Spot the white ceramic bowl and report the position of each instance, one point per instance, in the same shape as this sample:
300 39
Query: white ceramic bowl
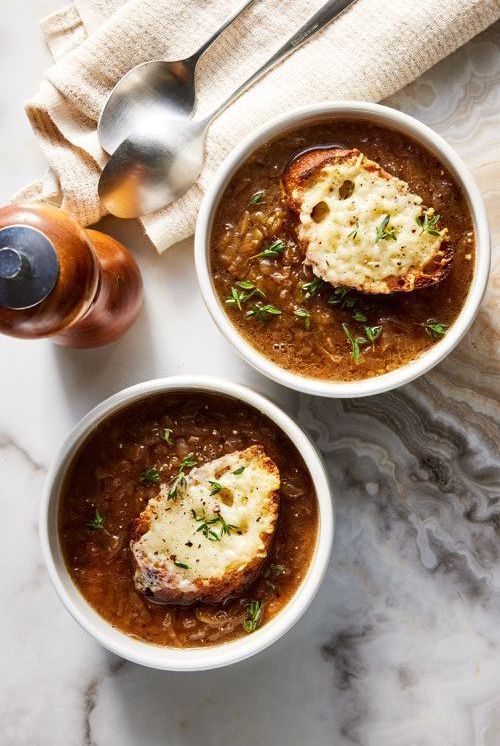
395 120
188 659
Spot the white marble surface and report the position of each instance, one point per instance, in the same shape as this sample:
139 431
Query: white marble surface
402 645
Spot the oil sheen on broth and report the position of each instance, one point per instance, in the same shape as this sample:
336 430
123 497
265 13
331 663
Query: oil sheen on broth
252 214
105 476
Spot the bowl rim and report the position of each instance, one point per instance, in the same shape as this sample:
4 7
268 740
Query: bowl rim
184 659
424 135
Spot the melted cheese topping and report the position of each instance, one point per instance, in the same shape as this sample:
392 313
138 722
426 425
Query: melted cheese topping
247 504
341 234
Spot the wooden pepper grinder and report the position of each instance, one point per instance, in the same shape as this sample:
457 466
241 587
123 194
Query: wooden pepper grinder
79 287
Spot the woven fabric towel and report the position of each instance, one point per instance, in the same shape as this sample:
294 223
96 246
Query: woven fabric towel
375 48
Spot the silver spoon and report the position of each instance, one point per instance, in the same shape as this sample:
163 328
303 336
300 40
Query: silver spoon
158 86
153 168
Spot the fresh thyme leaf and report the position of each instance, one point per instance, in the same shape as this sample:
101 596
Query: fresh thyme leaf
340 297
241 292
189 461
97 522
226 528
246 285
238 471
382 231
373 333
217 522
274 249
277 569
207 532
310 289
254 616
182 564
354 231
429 223
216 487
180 479
435 329
263 313
349 301
301 313
177 481
167 436
355 342
235 299
150 475
204 526
257 198
358 316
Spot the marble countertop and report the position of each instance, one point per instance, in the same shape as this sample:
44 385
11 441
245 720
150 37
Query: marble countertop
402 645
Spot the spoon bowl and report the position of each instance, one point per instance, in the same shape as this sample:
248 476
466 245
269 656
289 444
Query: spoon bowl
154 169
158 162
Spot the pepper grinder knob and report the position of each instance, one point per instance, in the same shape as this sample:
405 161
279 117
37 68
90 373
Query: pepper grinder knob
29 267
13 264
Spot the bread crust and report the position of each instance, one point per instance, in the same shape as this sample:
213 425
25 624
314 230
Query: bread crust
306 170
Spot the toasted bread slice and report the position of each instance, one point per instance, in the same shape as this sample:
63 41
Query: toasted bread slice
361 227
212 539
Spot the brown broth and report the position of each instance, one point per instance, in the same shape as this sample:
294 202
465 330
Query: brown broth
104 475
242 229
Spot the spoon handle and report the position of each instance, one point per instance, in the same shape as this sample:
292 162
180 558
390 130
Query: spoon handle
208 43
321 18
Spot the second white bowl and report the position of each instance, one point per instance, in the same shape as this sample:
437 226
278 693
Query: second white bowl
168 658
393 119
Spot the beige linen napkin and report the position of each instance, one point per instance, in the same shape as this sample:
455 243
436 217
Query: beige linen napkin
375 48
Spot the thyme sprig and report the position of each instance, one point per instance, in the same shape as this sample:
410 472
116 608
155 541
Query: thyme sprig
354 341
242 291
254 616
434 329
348 300
277 568
257 198
303 314
359 316
216 487
342 297
97 522
263 313
428 224
152 476
373 333
217 521
180 479
310 289
383 232
273 250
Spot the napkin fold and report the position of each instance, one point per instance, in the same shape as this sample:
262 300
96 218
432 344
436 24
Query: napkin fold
372 50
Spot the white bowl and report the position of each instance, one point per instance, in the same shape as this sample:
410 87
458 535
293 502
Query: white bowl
186 659
395 120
